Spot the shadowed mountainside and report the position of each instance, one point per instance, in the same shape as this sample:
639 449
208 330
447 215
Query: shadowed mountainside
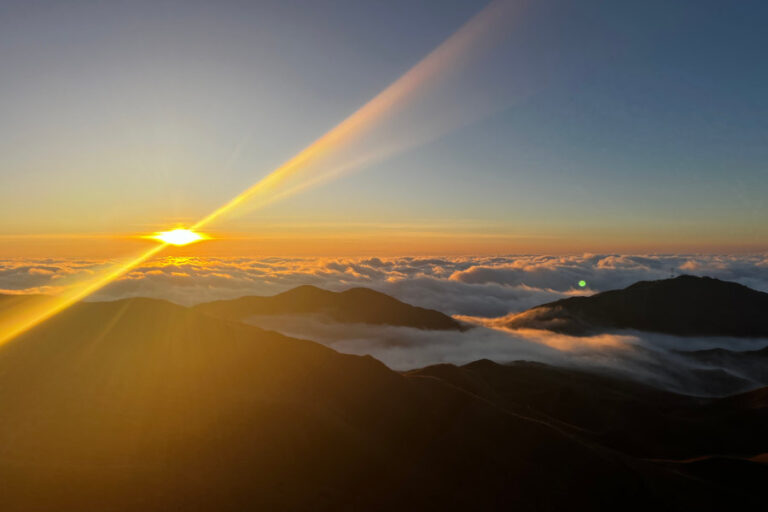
624 415
720 441
356 305
144 405
683 306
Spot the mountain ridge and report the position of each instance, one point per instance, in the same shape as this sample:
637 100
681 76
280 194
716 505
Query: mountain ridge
354 305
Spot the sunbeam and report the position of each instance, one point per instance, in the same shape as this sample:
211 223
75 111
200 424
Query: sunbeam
387 124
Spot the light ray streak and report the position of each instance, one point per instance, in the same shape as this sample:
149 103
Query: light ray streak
332 155
316 160
24 314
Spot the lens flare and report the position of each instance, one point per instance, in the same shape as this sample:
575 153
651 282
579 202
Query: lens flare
342 149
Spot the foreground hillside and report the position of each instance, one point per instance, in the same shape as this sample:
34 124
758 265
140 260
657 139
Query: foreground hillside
144 405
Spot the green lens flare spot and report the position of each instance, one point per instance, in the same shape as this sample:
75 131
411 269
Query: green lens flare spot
582 283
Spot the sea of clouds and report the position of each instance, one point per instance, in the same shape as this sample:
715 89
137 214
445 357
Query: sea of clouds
472 288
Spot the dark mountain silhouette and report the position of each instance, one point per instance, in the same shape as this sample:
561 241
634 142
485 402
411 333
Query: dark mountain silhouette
144 405
683 306
356 305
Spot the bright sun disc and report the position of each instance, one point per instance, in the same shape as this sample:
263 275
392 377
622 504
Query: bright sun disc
178 237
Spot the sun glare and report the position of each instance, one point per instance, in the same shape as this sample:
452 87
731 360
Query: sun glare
178 237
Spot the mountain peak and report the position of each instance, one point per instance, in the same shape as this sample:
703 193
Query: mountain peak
685 306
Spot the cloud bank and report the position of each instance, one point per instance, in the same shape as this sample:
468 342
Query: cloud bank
473 286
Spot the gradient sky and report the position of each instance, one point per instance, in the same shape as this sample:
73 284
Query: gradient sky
638 126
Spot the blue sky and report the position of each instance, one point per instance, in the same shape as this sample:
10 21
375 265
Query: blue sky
639 122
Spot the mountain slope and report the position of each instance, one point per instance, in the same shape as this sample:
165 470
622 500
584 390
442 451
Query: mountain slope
627 416
356 305
145 405
683 306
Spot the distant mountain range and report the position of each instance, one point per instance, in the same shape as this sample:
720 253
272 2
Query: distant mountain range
683 306
356 305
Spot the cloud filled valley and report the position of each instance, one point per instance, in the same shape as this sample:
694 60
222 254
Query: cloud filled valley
478 291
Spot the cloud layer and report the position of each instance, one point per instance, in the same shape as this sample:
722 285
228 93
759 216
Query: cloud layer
480 286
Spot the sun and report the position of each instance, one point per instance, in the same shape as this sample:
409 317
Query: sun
178 236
